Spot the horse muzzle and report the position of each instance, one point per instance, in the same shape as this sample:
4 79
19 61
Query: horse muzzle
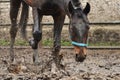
80 53
80 58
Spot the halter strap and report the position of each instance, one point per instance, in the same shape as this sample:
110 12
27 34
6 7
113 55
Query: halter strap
79 44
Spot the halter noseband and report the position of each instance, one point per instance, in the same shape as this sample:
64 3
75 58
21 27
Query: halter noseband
79 44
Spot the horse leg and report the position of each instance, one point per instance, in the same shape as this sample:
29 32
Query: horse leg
23 19
14 8
58 24
37 33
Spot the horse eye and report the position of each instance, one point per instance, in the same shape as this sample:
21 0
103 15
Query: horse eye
88 27
79 16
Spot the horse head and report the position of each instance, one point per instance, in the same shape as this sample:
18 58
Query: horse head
79 27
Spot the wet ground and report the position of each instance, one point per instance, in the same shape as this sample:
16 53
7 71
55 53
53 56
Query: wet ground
99 65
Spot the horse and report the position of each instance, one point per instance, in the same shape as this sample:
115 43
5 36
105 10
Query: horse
58 9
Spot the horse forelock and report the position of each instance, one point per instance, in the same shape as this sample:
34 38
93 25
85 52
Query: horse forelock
76 3
75 0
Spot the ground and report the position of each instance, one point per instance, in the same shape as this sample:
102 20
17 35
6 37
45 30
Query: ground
99 65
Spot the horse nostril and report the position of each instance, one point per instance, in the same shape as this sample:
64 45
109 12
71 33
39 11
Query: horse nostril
80 58
85 55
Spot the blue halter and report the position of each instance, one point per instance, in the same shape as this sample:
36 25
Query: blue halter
79 44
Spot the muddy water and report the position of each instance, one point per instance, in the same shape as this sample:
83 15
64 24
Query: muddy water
99 65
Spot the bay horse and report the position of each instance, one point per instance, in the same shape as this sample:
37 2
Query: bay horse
58 9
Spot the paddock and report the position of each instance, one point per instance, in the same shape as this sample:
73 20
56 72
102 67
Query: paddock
102 62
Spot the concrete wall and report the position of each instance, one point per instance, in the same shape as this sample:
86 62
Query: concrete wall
104 10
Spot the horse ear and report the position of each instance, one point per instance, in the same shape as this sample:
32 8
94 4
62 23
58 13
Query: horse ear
71 7
87 9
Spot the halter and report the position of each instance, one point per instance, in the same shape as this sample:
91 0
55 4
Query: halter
79 44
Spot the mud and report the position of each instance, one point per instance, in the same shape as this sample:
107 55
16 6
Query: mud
99 65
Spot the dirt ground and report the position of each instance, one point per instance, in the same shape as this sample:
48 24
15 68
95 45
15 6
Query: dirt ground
99 65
